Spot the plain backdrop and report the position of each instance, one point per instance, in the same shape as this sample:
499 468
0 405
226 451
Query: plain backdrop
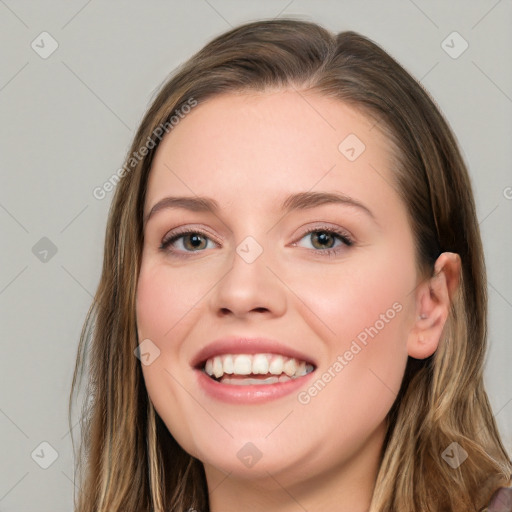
75 79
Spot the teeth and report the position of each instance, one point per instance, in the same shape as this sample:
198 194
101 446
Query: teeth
243 365
260 364
209 367
229 365
218 369
248 381
276 366
290 367
279 368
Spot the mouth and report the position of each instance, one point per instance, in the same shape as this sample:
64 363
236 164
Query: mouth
254 369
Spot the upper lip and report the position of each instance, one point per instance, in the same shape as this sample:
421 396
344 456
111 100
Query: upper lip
247 345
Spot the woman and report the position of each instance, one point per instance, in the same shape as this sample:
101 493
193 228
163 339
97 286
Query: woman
270 374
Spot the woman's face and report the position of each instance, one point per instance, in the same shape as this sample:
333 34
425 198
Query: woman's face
253 269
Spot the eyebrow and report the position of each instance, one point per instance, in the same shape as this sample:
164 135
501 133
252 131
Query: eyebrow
297 201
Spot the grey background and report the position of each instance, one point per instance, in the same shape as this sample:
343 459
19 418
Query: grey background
67 121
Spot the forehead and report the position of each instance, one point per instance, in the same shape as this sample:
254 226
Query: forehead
268 145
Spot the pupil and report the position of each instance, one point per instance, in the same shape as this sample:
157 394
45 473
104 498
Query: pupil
195 240
322 236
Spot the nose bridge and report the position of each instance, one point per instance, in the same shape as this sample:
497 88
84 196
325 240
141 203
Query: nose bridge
250 250
249 284
251 235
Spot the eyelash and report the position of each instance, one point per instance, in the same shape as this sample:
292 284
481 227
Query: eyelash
341 235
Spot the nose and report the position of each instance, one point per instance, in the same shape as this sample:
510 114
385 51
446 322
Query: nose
250 286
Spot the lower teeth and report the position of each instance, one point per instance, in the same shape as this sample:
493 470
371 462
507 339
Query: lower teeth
247 381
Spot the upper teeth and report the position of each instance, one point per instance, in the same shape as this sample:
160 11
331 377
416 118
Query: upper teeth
245 364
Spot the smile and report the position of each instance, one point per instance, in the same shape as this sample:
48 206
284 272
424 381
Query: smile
255 369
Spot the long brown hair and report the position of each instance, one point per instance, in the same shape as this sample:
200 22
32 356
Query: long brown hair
128 460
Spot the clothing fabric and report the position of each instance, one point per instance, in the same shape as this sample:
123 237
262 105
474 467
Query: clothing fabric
501 501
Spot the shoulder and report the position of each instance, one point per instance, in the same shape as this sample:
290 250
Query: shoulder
501 501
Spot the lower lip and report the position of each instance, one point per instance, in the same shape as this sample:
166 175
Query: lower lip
253 393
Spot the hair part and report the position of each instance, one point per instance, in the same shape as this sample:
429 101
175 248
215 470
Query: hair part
132 462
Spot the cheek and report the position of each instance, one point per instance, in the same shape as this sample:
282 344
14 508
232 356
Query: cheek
165 313
377 320
364 368
352 296
166 300
364 304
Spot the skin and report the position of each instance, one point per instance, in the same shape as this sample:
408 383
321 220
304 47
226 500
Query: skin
248 152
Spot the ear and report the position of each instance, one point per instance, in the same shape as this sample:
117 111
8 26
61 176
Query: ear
433 300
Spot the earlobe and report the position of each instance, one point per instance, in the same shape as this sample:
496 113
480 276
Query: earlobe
433 300
425 336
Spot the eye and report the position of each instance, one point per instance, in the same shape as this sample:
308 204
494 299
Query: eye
195 240
192 241
324 238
